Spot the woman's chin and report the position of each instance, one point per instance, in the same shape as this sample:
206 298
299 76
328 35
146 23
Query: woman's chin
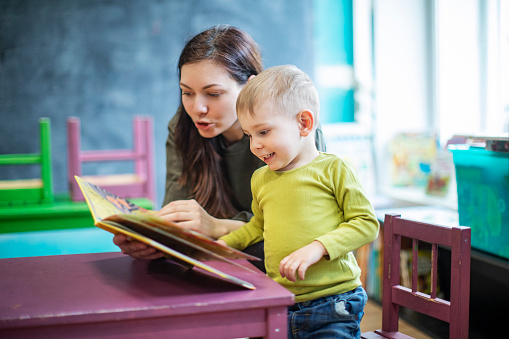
209 133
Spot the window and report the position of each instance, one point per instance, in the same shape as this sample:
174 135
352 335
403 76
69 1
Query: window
471 74
440 67
333 57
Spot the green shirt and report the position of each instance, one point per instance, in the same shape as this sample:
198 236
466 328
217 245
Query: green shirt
240 165
323 201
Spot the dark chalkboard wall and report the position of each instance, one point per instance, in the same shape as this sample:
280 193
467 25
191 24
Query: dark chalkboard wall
106 61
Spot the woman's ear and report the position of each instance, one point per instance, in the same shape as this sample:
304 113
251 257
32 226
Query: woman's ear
306 122
251 77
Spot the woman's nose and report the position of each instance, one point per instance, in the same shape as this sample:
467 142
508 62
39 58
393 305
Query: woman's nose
200 106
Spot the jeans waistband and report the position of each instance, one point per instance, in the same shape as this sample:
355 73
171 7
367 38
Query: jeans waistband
311 303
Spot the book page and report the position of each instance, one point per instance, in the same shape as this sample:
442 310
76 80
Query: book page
190 242
103 204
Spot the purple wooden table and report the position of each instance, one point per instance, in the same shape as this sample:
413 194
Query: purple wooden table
112 295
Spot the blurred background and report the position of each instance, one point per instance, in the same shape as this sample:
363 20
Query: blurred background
385 70
414 93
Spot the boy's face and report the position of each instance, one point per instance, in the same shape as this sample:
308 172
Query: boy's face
274 137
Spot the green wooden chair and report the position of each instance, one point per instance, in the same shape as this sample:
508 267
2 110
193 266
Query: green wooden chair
30 191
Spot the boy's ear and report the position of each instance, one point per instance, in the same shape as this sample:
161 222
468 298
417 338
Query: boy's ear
306 122
251 77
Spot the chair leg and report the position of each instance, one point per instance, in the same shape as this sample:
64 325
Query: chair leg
46 168
73 157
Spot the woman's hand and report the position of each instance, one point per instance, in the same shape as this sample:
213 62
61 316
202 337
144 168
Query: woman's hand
298 262
189 214
186 213
221 242
136 249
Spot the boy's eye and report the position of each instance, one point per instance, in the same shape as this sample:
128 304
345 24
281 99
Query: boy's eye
264 132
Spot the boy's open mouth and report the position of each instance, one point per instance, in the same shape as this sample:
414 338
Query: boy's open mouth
267 157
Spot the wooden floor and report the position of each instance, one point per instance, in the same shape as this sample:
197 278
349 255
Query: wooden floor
372 320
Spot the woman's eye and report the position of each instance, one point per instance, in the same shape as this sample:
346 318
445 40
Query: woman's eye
186 93
215 95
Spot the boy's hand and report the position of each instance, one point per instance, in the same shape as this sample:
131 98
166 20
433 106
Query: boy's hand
300 260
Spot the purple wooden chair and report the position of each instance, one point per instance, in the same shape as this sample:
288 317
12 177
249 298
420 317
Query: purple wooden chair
130 185
456 311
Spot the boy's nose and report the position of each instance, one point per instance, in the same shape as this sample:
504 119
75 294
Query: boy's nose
255 145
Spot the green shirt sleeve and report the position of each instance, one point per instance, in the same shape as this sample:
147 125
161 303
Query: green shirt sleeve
360 225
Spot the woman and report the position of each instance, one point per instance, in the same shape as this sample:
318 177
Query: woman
209 163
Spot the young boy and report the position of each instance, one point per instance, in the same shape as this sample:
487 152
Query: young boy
308 207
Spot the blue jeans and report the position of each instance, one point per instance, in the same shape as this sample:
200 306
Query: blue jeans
335 316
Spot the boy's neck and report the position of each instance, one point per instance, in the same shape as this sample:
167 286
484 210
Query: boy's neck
307 155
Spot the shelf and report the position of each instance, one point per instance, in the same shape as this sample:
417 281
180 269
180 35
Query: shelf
418 196
428 213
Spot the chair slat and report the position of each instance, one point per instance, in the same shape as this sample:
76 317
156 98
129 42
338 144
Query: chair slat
420 302
109 155
415 260
434 270
19 159
433 234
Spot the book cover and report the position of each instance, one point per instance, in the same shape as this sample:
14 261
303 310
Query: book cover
188 247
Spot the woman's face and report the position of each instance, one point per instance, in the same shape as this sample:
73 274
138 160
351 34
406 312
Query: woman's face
209 96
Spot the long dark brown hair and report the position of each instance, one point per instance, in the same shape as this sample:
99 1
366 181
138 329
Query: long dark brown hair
203 165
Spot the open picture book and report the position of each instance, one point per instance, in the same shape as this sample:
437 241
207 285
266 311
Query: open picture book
187 247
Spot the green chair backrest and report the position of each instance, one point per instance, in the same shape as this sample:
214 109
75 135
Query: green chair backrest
30 191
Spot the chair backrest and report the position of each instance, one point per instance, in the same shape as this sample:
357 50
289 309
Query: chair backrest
30 191
456 310
140 184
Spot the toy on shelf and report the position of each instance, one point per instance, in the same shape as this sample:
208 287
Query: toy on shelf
133 185
30 191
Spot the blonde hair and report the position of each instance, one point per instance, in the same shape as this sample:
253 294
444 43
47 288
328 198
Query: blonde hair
288 89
